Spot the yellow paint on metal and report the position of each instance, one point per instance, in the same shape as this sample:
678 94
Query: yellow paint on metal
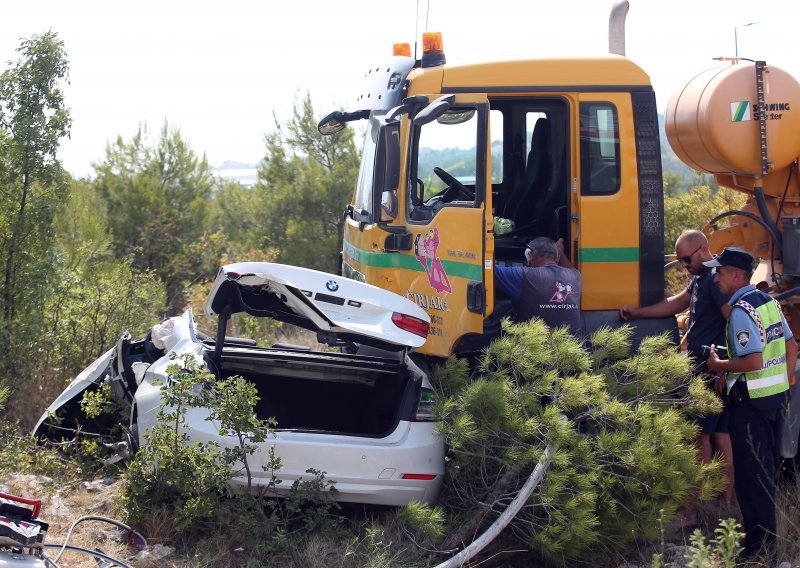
537 73
465 240
611 221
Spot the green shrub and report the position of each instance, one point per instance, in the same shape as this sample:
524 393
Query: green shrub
625 444
171 469
19 453
189 482
721 551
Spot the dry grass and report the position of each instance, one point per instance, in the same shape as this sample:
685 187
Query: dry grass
710 514
367 537
159 527
64 504
30 399
789 518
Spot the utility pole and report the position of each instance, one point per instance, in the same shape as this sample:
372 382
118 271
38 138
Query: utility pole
736 38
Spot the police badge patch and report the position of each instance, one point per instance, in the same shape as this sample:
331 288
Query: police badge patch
743 337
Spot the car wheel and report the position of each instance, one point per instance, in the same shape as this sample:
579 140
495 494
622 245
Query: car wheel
133 435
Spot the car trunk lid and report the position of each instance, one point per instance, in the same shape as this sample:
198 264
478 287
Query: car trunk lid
335 307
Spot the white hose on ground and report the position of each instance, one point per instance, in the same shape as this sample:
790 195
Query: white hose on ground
506 516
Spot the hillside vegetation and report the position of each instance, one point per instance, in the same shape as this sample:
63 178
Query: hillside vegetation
142 238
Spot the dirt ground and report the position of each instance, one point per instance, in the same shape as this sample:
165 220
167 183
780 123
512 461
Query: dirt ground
65 503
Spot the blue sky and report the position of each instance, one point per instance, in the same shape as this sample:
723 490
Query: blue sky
219 71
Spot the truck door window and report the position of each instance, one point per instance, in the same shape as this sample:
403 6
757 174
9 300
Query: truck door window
600 165
496 131
445 168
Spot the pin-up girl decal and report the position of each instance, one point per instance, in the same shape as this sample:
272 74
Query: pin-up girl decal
425 250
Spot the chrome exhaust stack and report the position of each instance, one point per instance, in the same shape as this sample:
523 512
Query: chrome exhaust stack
616 27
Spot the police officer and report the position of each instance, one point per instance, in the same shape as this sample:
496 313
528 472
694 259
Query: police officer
548 288
760 348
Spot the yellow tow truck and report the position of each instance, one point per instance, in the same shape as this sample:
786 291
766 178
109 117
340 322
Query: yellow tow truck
463 165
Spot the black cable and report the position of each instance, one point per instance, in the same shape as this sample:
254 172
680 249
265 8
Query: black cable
785 191
772 232
750 216
95 553
95 518
788 293
763 210
777 220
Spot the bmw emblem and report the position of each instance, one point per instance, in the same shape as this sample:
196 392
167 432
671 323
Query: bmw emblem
332 285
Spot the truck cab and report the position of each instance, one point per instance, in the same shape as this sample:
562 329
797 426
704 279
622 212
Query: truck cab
463 165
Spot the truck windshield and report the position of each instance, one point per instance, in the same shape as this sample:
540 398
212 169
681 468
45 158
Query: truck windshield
363 196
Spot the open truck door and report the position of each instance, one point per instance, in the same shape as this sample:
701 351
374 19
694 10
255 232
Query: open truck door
620 179
609 259
421 216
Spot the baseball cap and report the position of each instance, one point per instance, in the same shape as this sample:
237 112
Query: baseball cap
733 256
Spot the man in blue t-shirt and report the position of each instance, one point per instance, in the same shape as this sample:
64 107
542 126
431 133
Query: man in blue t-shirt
708 310
548 288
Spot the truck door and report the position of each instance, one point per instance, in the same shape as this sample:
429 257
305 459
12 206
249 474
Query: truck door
608 215
448 213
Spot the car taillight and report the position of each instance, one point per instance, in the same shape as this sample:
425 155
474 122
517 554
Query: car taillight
420 476
410 323
426 406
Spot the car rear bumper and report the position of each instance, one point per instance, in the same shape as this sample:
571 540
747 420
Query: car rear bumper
363 470
398 492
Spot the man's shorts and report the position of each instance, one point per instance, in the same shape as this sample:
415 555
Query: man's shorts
714 423
711 423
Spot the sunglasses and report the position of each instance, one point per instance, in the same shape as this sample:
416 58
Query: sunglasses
688 259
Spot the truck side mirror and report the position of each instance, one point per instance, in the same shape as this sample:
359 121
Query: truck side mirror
332 123
399 110
337 121
409 105
434 110
387 171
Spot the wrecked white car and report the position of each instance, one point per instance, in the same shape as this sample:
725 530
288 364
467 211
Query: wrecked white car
364 416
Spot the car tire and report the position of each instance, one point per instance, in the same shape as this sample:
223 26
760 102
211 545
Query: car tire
133 436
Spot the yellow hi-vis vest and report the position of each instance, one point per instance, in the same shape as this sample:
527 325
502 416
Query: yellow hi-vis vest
772 378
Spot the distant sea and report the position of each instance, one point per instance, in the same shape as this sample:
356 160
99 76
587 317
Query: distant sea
245 174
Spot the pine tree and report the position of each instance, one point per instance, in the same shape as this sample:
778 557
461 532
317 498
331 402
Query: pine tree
621 424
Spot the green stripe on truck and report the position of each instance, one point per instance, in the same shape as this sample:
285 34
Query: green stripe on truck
619 254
